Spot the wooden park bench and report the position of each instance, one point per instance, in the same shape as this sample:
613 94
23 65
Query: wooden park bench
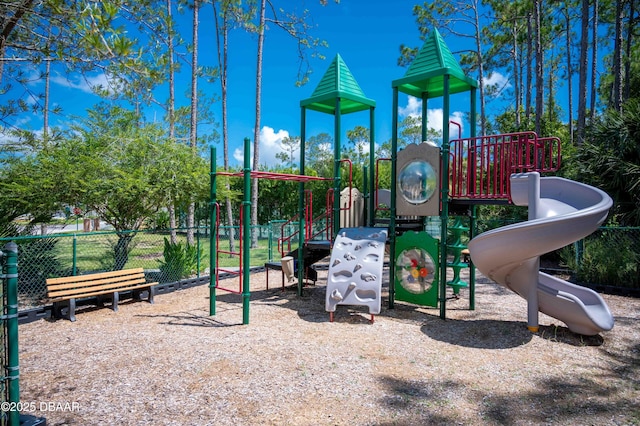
65 290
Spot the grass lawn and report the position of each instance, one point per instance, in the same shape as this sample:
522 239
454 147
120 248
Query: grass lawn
95 251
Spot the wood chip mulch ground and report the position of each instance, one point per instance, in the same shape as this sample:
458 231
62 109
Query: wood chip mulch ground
172 363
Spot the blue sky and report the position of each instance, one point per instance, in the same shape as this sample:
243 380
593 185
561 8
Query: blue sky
367 35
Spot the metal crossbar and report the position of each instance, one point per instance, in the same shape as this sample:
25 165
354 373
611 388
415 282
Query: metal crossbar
275 176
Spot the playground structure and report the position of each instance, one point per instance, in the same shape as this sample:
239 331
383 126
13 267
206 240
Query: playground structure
429 181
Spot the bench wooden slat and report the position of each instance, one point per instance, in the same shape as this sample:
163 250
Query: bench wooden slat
100 293
109 287
91 283
94 276
65 290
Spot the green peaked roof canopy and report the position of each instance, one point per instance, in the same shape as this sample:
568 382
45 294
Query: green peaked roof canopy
427 71
338 82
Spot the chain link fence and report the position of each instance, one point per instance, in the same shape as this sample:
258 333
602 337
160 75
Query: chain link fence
4 395
9 384
163 259
610 256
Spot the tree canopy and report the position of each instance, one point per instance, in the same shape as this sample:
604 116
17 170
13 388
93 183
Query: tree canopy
126 166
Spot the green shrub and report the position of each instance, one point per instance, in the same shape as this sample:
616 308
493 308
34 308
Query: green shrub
607 259
159 221
180 261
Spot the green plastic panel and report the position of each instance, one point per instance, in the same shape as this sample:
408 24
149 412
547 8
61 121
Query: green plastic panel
417 269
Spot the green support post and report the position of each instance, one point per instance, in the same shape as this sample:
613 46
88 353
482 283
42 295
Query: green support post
424 129
13 367
336 172
372 166
246 235
392 207
474 211
425 111
198 248
444 215
472 269
301 200
213 232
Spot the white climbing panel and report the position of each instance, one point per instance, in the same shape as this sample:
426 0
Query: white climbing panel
355 269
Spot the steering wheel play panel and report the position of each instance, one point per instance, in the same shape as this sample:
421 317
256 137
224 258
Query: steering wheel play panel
417 269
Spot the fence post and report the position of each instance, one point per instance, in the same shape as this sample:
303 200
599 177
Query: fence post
213 233
270 242
12 369
198 251
579 250
75 255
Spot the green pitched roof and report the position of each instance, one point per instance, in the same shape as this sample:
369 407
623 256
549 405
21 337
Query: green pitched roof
427 71
338 82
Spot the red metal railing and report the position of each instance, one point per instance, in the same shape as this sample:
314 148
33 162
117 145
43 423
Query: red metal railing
286 238
233 253
285 241
480 167
549 158
325 216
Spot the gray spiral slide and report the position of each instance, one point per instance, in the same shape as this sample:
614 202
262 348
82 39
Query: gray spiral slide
561 211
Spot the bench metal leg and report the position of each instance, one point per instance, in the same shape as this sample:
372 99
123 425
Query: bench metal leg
137 294
72 310
58 307
56 310
116 298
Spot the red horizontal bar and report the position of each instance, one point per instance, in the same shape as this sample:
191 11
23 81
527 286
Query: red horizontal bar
229 290
275 176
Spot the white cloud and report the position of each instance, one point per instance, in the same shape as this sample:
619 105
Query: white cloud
87 84
325 148
34 77
270 145
455 131
497 81
434 116
22 121
31 99
413 108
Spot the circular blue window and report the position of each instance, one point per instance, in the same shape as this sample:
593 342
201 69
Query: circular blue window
417 182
